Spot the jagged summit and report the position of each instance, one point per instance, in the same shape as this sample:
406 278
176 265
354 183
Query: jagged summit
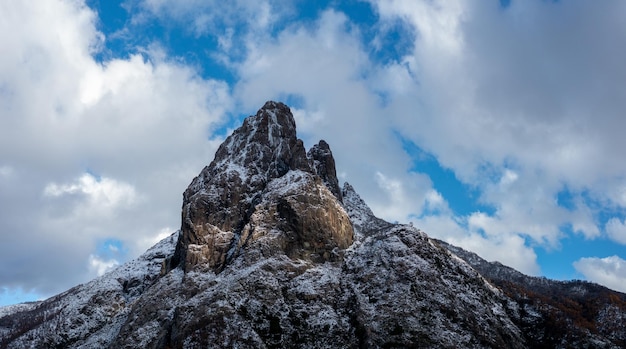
322 162
222 206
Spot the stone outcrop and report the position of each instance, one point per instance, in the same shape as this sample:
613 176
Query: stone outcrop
323 162
231 204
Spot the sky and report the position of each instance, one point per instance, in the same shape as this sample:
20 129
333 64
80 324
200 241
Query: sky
496 126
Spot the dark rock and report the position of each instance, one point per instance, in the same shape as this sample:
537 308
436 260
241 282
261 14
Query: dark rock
323 163
219 203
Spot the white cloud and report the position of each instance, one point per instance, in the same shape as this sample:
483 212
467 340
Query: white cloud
149 241
537 85
144 122
434 202
608 271
616 230
405 197
436 22
510 250
506 248
103 195
100 266
508 178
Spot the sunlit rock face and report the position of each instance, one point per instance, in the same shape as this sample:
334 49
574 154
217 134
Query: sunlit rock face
263 186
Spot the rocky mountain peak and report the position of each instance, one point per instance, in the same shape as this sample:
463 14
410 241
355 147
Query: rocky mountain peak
235 202
265 146
272 254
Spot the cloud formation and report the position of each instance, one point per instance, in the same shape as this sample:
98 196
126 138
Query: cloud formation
90 150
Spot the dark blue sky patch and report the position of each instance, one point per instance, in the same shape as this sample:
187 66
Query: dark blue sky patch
111 249
294 101
566 199
310 10
124 38
112 18
396 41
462 198
386 42
557 263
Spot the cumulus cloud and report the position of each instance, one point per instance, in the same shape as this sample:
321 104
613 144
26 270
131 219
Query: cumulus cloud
608 271
517 85
100 196
616 230
507 248
89 149
406 197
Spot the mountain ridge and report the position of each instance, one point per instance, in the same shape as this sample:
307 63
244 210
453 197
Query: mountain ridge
273 253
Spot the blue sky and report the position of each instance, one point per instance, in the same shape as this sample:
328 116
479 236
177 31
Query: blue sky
494 125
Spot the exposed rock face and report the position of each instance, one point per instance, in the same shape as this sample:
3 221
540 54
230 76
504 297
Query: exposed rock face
323 163
272 254
395 289
314 225
220 214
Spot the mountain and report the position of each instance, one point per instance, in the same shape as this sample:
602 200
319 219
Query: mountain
273 253
557 314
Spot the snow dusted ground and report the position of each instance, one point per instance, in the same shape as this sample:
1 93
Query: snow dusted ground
89 315
15 308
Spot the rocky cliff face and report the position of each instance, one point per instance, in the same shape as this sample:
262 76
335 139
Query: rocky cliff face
262 181
273 253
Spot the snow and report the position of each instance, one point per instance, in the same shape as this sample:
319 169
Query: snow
291 182
22 307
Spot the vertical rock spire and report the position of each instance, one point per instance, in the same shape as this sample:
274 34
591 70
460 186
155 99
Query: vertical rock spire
219 203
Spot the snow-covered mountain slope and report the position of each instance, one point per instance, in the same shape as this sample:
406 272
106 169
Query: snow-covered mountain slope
272 253
557 313
88 315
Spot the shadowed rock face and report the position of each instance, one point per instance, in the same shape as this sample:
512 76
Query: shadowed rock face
218 216
323 163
